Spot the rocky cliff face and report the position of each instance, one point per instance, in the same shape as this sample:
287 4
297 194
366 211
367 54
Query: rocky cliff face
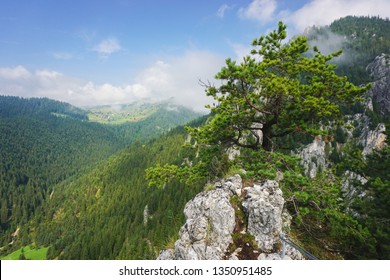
313 157
380 92
234 222
373 139
358 131
348 186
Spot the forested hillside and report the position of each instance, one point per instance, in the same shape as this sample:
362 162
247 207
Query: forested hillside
360 38
110 213
43 142
162 118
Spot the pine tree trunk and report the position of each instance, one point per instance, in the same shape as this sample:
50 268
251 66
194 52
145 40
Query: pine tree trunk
267 139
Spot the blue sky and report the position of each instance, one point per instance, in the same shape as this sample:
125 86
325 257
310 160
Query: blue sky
118 51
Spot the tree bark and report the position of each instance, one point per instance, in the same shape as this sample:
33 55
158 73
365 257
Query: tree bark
267 138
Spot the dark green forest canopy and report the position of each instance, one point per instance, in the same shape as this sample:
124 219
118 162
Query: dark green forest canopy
104 214
44 142
13 106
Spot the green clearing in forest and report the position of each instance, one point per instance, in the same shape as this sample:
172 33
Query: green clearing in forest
30 252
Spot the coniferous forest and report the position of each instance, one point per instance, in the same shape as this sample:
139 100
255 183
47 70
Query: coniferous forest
45 143
83 189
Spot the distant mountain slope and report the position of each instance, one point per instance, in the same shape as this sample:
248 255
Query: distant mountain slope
137 111
109 213
12 106
140 121
43 142
361 39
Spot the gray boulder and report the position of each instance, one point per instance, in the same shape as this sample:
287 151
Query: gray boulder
264 206
211 223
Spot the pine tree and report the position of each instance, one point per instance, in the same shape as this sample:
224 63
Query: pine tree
275 91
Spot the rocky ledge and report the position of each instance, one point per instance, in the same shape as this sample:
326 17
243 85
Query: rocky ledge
234 222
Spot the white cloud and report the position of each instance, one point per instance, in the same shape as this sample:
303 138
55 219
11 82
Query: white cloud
240 50
157 76
178 78
107 47
14 73
62 55
324 12
175 77
90 94
222 10
47 74
259 10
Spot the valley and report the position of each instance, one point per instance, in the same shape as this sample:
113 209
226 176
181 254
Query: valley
44 143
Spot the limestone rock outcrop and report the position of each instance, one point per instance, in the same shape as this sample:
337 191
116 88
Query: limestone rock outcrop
349 186
373 139
264 206
380 91
212 223
313 157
